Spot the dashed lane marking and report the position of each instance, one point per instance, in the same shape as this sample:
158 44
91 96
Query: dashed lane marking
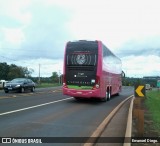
31 107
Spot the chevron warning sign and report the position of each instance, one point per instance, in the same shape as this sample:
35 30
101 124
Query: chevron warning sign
140 91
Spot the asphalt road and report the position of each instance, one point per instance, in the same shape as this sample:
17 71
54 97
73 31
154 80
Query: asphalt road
48 113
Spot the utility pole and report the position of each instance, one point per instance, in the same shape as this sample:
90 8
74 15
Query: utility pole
39 74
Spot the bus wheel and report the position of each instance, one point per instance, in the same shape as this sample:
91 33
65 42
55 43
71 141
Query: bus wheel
105 98
77 98
108 95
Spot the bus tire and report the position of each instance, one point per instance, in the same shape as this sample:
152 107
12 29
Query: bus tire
117 94
108 95
77 98
105 98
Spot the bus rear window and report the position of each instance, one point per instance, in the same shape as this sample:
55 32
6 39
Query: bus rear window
82 53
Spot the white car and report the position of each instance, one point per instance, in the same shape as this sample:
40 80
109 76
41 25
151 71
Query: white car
2 83
19 84
148 87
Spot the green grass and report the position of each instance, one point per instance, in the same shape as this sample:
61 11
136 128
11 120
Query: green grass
46 85
153 104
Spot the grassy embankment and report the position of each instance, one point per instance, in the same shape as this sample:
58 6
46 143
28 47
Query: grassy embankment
45 85
153 104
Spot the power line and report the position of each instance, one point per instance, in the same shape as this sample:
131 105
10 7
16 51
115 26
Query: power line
26 62
8 58
14 60
36 55
25 50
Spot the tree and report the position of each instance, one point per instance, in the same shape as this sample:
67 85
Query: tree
4 69
27 72
19 72
9 72
54 77
15 72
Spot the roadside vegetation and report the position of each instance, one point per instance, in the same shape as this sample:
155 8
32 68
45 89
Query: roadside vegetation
130 81
10 72
46 85
153 105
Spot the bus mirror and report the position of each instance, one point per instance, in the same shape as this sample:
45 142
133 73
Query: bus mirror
123 74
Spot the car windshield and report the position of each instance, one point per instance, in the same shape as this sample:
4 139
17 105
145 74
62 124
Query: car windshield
17 80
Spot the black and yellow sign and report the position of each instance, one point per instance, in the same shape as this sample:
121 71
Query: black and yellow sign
140 91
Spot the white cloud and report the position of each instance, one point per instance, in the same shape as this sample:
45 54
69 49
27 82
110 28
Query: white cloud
16 9
115 22
139 66
43 66
13 36
34 29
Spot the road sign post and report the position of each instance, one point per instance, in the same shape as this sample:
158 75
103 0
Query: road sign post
138 112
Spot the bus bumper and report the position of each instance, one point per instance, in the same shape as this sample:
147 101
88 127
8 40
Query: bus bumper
82 93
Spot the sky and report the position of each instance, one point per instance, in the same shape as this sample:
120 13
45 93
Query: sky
33 33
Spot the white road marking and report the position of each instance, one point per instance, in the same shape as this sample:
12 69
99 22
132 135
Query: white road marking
34 106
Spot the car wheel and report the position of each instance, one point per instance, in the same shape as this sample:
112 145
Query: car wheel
22 90
33 89
105 98
6 91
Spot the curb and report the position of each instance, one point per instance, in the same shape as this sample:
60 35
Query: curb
129 124
102 126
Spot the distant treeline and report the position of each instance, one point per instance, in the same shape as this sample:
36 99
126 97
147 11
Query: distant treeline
55 78
133 81
9 72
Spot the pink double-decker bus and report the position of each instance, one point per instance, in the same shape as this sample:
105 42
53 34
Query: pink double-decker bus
91 70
